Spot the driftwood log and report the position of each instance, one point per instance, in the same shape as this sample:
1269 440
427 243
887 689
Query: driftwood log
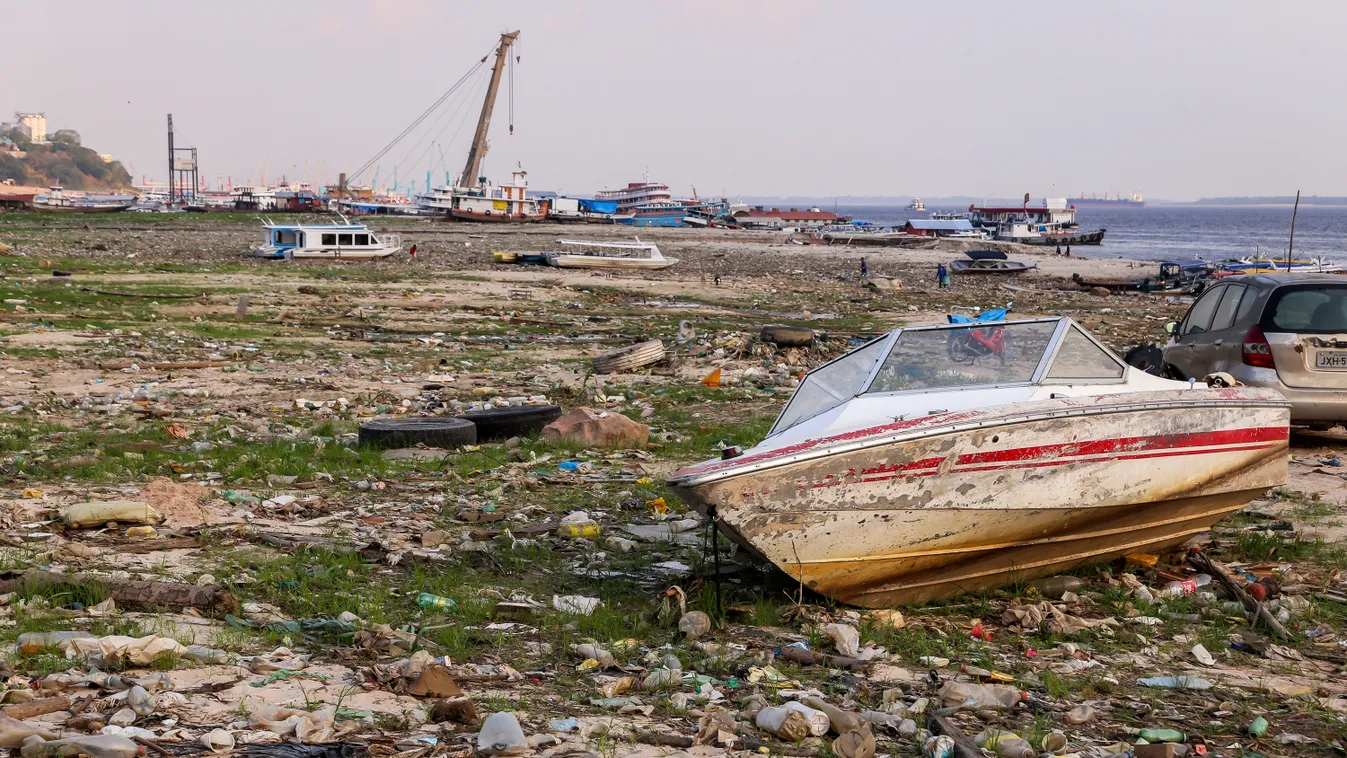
131 594
39 707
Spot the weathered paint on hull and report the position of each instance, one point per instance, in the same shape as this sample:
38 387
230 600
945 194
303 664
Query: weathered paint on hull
964 510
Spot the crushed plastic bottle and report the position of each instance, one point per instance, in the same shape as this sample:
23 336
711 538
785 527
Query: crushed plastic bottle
14 732
1162 735
97 746
1081 714
938 746
436 602
959 696
501 734
32 643
841 721
140 701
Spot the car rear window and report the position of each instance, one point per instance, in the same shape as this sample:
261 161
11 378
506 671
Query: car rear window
1313 309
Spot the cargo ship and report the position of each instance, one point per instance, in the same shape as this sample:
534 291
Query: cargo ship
1133 200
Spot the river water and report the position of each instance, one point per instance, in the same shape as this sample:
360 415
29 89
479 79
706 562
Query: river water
1186 232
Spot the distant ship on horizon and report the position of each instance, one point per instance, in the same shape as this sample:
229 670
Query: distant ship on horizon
1133 200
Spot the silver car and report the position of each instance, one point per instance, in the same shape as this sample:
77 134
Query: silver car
1283 331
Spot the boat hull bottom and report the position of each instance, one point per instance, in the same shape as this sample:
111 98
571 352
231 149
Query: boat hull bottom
1047 541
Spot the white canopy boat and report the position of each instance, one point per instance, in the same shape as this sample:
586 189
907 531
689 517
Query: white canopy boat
349 240
938 460
615 255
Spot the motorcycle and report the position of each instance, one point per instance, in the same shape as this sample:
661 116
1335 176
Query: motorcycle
967 345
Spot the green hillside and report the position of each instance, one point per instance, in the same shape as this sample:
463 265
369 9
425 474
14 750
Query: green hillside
65 162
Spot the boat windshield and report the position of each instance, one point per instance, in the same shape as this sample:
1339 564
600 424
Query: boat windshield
832 384
965 356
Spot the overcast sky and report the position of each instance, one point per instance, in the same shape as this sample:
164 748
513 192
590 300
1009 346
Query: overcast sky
763 97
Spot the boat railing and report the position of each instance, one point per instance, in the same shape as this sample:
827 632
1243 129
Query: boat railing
389 240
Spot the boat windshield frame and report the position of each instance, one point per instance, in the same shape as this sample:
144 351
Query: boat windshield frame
1055 341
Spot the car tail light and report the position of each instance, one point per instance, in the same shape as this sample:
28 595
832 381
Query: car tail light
1256 350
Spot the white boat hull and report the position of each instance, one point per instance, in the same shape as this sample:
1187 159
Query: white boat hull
917 510
599 261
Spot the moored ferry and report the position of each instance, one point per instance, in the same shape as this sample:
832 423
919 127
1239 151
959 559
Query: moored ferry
507 203
651 204
57 200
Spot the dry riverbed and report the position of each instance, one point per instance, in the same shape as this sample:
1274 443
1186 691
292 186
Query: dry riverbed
135 375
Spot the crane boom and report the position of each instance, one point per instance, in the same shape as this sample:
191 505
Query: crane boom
478 150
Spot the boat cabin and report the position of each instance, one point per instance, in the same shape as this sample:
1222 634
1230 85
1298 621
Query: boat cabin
345 240
917 371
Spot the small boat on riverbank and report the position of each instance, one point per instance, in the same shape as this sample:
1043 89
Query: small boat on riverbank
989 262
347 241
881 239
610 255
907 470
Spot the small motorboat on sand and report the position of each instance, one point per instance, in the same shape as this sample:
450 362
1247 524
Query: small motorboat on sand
943 459
989 262
614 255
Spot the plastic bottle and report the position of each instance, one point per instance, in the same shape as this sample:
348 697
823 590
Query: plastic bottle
207 654
31 643
979 697
819 723
435 602
1056 586
14 732
789 725
1187 587
1162 735
1259 727
97 746
140 701
842 721
502 735
940 746
1081 714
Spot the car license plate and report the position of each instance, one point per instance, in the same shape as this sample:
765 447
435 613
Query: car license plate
1331 360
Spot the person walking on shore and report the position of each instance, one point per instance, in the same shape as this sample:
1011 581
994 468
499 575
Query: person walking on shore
942 276
865 270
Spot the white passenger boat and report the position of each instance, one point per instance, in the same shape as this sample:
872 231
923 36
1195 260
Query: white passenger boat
939 460
615 255
58 200
349 240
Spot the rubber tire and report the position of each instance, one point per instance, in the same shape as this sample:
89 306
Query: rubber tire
504 423
409 432
1147 357
787 336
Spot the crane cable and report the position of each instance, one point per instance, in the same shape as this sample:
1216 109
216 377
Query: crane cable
420 118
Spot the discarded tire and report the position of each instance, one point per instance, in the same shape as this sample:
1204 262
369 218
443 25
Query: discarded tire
629 358
787 336
1148 357
514 421
409 432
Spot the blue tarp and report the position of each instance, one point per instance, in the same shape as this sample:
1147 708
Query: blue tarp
935 225
598 206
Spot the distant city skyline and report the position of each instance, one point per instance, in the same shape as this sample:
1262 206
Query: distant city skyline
753 98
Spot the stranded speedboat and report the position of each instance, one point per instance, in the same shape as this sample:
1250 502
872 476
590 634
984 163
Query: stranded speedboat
938 460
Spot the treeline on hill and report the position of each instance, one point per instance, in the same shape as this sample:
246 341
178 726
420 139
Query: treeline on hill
64 162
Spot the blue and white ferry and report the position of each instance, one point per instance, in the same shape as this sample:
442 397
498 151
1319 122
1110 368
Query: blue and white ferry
349 240
650 203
